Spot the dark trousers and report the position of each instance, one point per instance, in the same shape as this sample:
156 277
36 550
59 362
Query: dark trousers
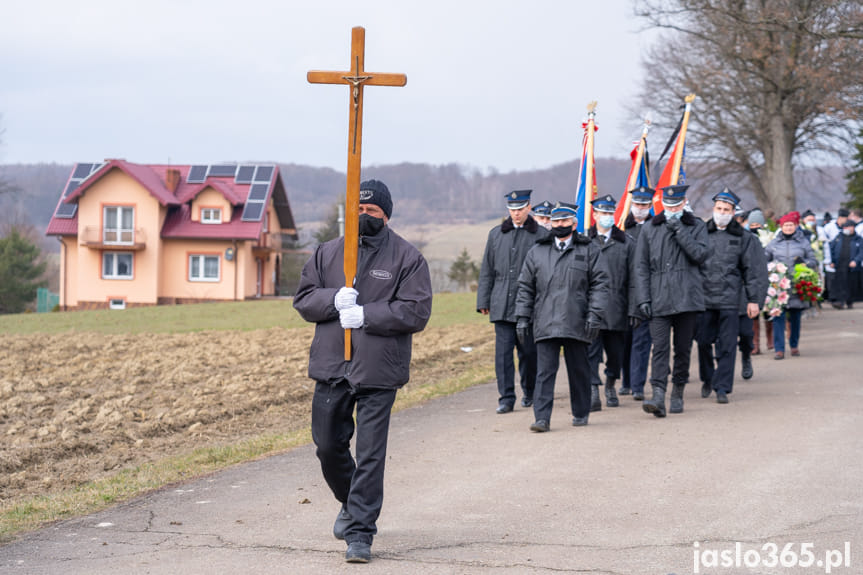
843 290
640 356
793 316
612 342
359 484
504 365
746 333
718 331
683 325
625 380
577 371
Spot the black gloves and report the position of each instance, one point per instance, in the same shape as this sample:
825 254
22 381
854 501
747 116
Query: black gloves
798 260
645 310
591 328
522 330
673 224
634 322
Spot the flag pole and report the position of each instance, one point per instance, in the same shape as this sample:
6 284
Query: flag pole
633 174
678 151
589 183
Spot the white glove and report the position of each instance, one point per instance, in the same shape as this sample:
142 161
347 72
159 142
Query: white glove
352 317
345 297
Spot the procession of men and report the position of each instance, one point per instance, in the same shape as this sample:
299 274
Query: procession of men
630 298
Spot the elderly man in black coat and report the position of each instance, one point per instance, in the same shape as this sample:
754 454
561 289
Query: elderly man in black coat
670 291
505 249
391 299
563 291
617 251
730 267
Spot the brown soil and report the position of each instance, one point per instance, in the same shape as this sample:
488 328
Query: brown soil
78 407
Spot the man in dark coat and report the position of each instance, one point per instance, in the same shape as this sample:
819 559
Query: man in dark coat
563 292
670 291
505 249
638 341
847 252
617 251
391 299
728 269
747 332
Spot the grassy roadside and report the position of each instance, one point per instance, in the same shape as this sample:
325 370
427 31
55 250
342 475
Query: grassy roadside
35 512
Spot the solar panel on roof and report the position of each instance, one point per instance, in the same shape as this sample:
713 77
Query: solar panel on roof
253 211
258 192
222 170
245 174
197 174
71 187
66 211
264 174
82 171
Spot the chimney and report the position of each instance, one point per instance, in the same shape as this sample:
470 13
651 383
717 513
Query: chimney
172 179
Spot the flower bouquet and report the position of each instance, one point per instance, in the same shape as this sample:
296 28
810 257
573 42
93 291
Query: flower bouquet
807 284
777 293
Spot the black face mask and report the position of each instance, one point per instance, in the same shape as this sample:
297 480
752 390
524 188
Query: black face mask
561 232
370 225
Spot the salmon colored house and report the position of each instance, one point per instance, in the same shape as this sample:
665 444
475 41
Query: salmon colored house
135 235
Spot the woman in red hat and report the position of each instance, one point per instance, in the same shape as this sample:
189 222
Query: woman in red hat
790 247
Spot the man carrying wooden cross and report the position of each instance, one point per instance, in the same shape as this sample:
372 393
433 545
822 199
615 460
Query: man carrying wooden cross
391 299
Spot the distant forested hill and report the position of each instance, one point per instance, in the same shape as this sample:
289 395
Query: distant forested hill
424 193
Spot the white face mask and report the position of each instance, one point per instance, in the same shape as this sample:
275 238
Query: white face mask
640 213
605 221
722 220
848 231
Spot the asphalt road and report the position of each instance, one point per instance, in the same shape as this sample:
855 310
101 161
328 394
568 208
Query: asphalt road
774 477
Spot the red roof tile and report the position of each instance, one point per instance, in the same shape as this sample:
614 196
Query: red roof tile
144 175
179 224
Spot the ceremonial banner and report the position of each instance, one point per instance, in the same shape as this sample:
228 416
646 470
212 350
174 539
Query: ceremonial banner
638 176
674 172
586 190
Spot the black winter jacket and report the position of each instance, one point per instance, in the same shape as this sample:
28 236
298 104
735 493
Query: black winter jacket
618 254
668 265
730 267
560 290
395 291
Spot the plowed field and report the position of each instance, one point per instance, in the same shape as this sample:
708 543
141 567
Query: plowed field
78 406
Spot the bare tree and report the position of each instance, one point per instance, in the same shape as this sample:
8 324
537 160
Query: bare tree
779 84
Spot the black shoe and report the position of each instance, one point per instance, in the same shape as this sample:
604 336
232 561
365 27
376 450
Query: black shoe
656 404
504 408
358 552
676 403
721 397
343 519
595 402
579 421
540 426
610 394
638 395
526 402
706 389
746 365
625 391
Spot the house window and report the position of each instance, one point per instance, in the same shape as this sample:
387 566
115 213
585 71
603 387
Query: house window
211 215
119 225
117 265
204 268
117 304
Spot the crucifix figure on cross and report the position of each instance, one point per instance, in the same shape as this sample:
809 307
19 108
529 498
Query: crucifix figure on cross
357 78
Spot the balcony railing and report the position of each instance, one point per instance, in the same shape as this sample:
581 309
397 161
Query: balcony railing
98 237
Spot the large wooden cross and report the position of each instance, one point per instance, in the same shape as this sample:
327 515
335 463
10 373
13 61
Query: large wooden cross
356 78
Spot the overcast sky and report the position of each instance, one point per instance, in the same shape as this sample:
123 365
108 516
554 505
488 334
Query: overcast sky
501 84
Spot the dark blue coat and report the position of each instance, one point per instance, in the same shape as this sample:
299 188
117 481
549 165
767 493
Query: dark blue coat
856 250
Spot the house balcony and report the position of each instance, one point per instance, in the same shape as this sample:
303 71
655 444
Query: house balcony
100 238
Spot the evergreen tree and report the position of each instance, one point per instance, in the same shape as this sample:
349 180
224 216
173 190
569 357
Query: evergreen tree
20 270
855 180
463 270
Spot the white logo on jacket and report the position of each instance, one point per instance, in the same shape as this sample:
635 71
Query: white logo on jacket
381 274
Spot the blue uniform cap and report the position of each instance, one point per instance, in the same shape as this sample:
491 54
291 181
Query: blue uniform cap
543 209
642 194
604 204
727 195
563 210
674 195
517 199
